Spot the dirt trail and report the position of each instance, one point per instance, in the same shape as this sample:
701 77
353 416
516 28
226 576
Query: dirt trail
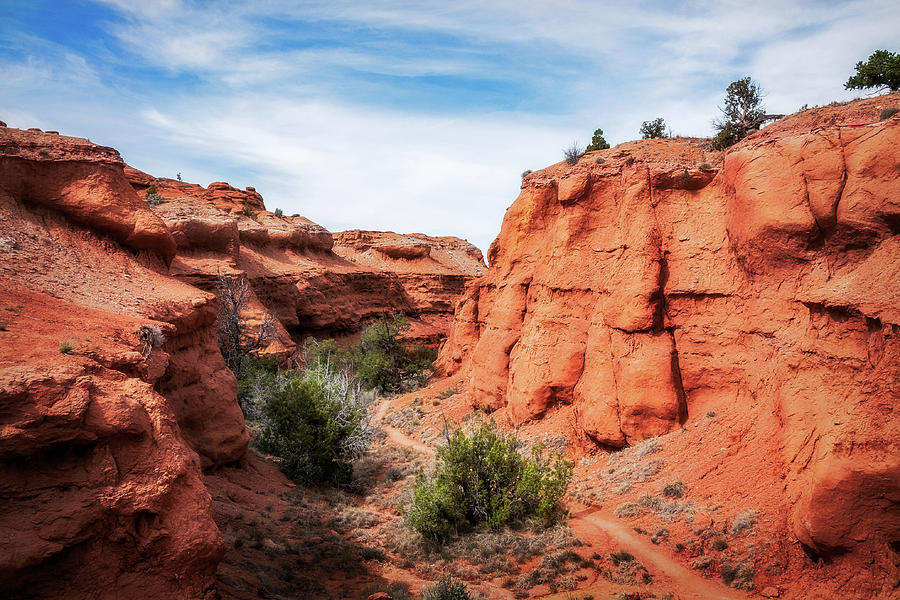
592 526
396 435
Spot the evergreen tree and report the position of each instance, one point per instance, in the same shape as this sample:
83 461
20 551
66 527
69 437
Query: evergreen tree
882 70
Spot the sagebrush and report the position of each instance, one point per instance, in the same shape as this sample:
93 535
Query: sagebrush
480 479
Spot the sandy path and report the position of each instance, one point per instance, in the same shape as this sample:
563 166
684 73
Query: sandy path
396 435
591 526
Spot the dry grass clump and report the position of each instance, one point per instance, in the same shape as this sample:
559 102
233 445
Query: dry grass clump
674 489
409 419
628 510
557 569
739 575
626 570
623 487
627 464
357 518
745 520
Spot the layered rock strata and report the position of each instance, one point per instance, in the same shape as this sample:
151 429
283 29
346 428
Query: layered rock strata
312 281
657 278
104 428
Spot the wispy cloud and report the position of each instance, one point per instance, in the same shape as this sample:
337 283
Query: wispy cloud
406 115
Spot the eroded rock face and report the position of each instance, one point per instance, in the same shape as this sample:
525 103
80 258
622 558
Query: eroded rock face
638 290
102 438
310 280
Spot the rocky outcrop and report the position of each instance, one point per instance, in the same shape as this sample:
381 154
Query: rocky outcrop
657 278
431 271
312 281
103 434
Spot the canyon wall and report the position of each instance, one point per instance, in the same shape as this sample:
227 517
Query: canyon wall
100 463
114 396
658 278
312 281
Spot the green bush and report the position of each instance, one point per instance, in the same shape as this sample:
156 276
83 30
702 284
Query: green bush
654 129
328 354
882 70
480 479
257 371
446 588
382 360
316 422
598 142
279 214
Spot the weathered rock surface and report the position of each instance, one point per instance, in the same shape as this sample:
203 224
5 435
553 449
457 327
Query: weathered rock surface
312 281
638 291
101 448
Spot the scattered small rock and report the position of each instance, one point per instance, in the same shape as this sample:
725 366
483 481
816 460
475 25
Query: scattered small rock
769 592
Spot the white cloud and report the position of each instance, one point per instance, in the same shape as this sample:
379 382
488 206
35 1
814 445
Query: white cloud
348 167
268 107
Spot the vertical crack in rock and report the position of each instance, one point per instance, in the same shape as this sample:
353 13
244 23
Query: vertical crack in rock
677 382
840 194
612 362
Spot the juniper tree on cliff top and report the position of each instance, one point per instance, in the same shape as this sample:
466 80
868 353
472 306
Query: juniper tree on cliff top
882 70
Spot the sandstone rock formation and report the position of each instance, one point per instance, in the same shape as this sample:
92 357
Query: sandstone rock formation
431 272
312 281
113 393
103 435
657 278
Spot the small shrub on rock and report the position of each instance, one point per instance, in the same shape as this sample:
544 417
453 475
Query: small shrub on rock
152 197
573 153
598 142
480 479
654 129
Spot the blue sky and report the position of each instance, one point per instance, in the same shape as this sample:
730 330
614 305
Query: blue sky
401 115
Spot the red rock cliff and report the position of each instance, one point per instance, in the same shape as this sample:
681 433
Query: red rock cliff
101 436
656 279
313 282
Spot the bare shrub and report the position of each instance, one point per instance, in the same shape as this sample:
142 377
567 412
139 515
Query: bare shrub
151 337
573 153
651 502
236 342
674 489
